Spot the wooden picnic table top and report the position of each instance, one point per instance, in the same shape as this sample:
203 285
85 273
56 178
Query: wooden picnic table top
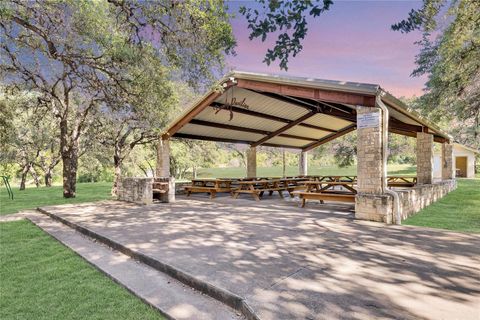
211 180
330 182
258 181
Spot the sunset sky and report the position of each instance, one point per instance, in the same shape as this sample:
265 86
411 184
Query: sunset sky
352 41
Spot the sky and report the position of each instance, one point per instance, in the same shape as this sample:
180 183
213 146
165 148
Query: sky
350 42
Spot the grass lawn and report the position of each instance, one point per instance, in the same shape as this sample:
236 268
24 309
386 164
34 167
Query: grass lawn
457 211
32 197
42 279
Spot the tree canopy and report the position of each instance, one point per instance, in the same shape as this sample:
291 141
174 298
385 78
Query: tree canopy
450 57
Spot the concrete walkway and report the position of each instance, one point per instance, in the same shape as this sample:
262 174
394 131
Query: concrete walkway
172 298
293 263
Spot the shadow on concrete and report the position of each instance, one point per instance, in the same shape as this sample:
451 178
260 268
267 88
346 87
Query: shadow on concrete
294 263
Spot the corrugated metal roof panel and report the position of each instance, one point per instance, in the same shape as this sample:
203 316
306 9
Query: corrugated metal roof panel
205 131
239 119
263 104
288 141
326 121
307 132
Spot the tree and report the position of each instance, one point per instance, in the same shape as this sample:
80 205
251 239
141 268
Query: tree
29 140
451 59
288 19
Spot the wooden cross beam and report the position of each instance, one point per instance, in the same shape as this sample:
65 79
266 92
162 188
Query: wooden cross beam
284 128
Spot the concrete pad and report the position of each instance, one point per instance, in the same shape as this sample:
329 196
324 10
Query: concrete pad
172 298
292 263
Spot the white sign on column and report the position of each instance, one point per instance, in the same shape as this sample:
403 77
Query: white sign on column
368 120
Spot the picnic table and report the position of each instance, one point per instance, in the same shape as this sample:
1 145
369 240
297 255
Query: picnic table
325 190
210 186
258 187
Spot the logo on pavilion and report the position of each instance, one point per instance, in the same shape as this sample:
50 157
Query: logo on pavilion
230 104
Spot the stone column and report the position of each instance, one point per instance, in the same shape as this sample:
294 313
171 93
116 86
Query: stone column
303 163
371 203
448 171
252 162
163 158
370 164
424 158
163 169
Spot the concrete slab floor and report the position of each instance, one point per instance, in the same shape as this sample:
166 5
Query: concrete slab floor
294 263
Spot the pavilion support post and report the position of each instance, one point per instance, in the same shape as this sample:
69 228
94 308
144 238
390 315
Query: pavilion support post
371 201
448 172
303 163
163 169
424 158
252 162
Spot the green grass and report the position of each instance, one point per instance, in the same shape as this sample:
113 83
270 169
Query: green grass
396 169
42 279
457 211
32 197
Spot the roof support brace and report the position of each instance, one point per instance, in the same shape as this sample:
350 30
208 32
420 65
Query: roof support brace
330 137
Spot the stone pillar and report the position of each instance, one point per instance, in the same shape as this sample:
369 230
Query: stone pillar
370 164
424 158
252 162
448 171
163 169
163 158
303 163
371 202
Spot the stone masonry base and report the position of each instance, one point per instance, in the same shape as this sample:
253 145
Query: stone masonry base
379 207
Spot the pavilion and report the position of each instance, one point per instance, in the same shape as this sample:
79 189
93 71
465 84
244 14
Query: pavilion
304 113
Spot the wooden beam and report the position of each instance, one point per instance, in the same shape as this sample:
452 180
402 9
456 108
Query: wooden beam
330 137
309 93
244 129
197 137
284 128
270 117
191 114
438 139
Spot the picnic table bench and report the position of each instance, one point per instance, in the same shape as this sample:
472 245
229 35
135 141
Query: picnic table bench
210 186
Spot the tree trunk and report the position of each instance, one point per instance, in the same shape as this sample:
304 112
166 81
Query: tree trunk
69 153
70 164
194 172
23 179
35 176
117 163
48 178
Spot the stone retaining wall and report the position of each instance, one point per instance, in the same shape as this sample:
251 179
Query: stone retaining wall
379 207
138 190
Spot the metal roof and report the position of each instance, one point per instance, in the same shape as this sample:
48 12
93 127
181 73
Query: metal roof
294 112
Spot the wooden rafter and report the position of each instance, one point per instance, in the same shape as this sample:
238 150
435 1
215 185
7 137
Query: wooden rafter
284 128
330 137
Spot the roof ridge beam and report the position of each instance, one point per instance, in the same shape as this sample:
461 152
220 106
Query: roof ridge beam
284 128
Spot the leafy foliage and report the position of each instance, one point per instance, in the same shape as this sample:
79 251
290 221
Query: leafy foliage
451 59
288 19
